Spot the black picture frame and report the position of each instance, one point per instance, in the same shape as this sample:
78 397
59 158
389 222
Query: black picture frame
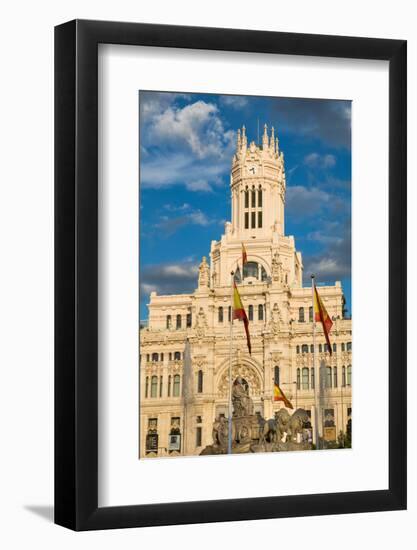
76 272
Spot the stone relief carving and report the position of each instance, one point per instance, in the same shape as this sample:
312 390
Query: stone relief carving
201 324
275 320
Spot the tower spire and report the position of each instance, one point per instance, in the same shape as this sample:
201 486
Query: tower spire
265 137
244 138
272 140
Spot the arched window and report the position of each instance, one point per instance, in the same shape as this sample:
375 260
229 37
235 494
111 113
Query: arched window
154 357
298 349
189 320
320 348
229 314
343 377
349 375
147 387
178 321
177 356
312 379
250 312
305 378
343 346
304 348
253 193
160 386
253 219
335 377
259 197
310 314
200 381
311 348
326 348
260 312
162 356
154 386
220 314
250 269
301 315
334 348
276 375
147 357
170 356
328 377
169 385
177 385
349 346
298 379
259 218
168 321
246 198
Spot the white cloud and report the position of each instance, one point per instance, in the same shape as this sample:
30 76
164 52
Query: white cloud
199 185
170 278
197 125
305 201
235 101
315 160
184 143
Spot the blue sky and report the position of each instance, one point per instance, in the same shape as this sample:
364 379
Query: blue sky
186 147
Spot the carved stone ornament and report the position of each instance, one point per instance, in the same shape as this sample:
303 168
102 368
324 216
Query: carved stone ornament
240 371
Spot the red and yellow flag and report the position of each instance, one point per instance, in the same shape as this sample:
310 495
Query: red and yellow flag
280 396
240 313
244 255
321 316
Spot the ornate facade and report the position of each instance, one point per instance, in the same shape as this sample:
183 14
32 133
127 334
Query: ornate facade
280 312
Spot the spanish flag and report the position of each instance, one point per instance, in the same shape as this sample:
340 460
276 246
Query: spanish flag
244 255
240 313
279 396
321 315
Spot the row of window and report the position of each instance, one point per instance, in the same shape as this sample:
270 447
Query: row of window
155 357
260 309
179 321
305 348
253 194
301 314
154 385
305 377
253 218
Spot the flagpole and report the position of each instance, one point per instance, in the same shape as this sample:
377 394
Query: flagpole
229 442
316 378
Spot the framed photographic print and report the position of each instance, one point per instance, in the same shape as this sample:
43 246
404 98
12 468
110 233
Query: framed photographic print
230 275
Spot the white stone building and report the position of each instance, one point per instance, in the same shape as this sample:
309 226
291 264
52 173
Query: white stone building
280 314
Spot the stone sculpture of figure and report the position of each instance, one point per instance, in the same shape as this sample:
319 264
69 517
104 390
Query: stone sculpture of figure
276 268
215 432
204 274
242 403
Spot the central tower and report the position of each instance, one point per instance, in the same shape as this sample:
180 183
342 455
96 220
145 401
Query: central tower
258 186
